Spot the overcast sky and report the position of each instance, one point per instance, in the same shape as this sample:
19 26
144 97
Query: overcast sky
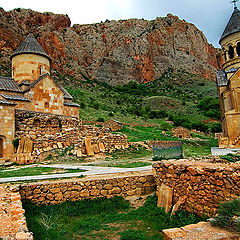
210 16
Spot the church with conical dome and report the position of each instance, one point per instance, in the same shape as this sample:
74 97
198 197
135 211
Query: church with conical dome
228 81
30 89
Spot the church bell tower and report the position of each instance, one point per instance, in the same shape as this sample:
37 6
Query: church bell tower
228 81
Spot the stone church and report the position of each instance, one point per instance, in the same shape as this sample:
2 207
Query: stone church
228 81
30 88
37 115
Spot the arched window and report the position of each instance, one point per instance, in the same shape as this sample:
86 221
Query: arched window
238 49
231 52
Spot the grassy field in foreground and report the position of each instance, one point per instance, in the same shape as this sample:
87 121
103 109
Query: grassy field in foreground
103 219
34 171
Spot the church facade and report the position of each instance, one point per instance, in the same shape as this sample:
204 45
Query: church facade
228 81
31 89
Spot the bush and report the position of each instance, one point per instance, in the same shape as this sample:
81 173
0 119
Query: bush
228 215
210 107
100 119
231 157
216 127
166 126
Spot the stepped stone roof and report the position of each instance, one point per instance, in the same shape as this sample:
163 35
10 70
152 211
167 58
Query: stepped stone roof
8 84
233 25
3 102
71 104
14 97
25 82
30 45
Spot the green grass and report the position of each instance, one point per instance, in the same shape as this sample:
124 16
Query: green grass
131 153
202 147
123 164
136 134
34 171
228 214
199 146
231 157
102 219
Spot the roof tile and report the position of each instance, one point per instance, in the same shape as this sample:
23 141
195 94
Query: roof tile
30 45
8 84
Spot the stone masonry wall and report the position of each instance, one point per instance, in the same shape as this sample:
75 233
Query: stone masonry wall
203 184
13 222
7 125
54 192
49 132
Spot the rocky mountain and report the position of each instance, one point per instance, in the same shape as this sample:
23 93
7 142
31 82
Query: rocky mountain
115 52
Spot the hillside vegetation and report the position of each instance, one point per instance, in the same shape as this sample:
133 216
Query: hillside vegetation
181 97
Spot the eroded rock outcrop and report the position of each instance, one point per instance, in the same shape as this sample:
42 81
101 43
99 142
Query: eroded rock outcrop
114 51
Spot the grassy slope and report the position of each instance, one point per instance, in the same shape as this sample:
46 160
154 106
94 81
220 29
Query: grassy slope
174 93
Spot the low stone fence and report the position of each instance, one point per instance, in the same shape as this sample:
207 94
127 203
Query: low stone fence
54 192
203 185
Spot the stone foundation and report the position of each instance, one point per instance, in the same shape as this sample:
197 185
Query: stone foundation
203 184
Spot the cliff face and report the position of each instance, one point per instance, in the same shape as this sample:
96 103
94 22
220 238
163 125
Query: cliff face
114 51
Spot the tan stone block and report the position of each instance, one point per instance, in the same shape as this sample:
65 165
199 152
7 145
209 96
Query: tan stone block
95 192
174 233
101 147
165 195
79 153
96 148
21 146
115 190
89 147
59 145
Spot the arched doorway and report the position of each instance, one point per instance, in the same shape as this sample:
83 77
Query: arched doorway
1 147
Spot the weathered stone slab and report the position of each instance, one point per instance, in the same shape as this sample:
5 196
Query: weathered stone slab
101 147
79 153
21 146
89 147
96 148
165 195
199 231
59 145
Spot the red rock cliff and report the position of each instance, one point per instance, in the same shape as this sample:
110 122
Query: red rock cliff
114 51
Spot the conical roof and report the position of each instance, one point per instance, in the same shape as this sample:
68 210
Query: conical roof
233 25
30 45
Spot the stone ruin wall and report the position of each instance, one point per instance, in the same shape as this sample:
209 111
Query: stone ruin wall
55 192
13 221
203 185
41 133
